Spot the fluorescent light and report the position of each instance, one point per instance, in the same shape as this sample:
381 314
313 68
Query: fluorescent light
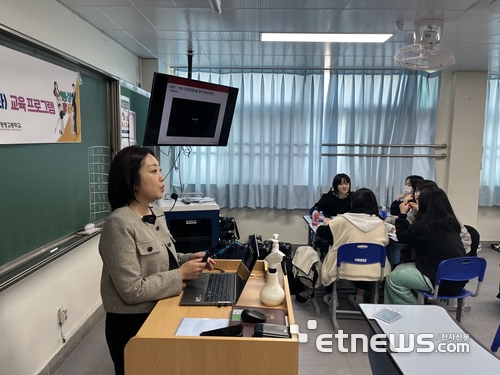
324 38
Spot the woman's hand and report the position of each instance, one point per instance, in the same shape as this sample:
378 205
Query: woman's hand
192 268
199 255
326 221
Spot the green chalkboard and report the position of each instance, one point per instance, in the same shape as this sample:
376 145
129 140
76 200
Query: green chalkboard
46 190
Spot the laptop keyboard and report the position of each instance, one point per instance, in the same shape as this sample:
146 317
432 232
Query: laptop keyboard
218 288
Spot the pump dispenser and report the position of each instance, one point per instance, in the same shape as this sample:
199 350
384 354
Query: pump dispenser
272 294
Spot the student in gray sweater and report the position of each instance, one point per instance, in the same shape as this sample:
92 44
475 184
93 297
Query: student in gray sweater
140 264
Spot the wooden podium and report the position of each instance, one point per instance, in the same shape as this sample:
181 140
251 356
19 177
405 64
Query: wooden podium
156 350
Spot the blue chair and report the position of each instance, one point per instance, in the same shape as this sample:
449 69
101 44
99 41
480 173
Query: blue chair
456 269
496 341
361 253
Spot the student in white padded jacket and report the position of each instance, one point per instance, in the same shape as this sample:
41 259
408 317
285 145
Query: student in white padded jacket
361 224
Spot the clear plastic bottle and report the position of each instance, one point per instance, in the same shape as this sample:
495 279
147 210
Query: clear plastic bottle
383 213
315 218
321 217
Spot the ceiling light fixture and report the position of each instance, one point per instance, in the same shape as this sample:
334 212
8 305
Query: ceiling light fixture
324 38
215 5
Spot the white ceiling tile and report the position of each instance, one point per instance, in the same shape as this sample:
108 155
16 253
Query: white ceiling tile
169 28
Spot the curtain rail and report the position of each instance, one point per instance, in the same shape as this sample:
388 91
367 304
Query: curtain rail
436 156
441 146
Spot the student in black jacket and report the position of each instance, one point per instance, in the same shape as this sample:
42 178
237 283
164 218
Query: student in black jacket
407 195
338 200
435 236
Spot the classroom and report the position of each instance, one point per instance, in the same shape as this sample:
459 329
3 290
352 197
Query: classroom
31 336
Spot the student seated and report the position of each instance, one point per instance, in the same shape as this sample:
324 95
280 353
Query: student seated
338 200
435 236
464 233
361 224
407 195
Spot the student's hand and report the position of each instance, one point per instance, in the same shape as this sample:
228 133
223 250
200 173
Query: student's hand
403 208
326 221
408 198
399 197
192 268
414 207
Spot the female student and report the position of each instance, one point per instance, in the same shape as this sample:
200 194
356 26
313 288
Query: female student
435 236
337 201
361 224
140 264
407 195
464 233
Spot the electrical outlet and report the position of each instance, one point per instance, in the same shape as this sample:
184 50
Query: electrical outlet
62 315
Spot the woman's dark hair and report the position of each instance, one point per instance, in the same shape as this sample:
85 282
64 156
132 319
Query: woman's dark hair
363 201
124 175
337 180
424 184
435 211
414 180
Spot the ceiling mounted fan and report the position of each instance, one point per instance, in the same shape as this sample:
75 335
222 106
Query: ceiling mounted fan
425 53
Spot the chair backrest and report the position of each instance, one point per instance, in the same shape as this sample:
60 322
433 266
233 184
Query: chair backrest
496 341
362 253
461 269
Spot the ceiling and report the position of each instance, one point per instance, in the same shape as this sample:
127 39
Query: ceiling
167 29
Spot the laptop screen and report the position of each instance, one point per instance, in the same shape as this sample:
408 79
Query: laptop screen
248 263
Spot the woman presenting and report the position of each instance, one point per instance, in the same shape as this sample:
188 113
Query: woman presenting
140 264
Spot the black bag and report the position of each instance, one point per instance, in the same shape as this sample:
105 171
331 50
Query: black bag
228 230
233 250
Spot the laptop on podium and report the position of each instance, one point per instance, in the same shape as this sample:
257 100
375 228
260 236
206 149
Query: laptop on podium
221 289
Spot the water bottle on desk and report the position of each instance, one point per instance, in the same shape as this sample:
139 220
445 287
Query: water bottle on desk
315 218
383 213
321 217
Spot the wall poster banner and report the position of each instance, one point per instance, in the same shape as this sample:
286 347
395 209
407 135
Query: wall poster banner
131 127
125 109
39 101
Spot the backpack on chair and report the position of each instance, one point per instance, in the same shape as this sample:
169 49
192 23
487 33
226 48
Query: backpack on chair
306 268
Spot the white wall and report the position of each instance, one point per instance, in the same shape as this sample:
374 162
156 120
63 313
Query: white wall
460 125
28 310
51 23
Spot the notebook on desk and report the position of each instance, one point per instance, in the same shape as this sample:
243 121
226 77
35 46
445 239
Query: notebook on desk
221 289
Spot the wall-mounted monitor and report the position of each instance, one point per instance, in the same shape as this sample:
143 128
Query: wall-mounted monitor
186 112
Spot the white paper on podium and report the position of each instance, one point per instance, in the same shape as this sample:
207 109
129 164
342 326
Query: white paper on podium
195 326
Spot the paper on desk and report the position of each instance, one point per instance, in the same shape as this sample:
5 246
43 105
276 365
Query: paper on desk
195 326
393 237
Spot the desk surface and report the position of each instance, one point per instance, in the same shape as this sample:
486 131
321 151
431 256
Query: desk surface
436 320
156 350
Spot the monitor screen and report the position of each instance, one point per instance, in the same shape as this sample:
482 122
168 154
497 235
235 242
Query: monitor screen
186 112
